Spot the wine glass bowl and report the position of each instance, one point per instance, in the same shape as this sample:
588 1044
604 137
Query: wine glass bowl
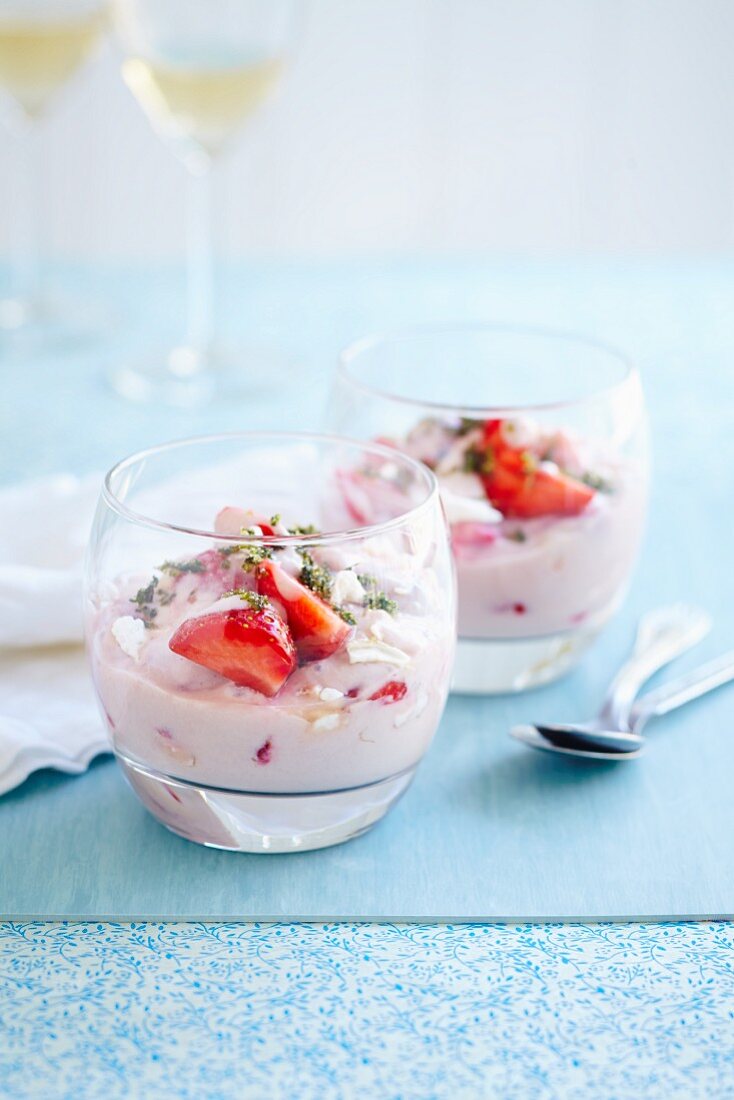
199 71
42 44
539 442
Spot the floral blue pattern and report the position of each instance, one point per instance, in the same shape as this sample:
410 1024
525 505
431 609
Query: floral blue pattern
334 1011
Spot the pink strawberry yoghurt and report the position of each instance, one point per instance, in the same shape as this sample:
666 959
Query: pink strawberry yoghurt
276 668
545 528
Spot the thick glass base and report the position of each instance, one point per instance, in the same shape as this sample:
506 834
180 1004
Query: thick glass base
250 822
499 665
185 378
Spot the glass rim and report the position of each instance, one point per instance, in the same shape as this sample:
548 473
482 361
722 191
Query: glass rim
427 476
356 348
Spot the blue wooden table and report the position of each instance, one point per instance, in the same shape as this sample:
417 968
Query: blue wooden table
399 1011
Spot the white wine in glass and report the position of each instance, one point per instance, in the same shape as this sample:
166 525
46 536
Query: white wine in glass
199 106
42 44
199 70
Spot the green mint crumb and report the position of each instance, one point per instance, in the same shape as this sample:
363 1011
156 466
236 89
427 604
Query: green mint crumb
466 425
316 577
597 483
177 568
143 600
517 536
303 529
251 555
347 616
374 598
256 601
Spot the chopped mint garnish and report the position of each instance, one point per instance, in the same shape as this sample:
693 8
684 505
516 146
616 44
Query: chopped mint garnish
165 597
275 520
478 460
316 577
347 616
256 602
251 555
176 568
517 536
466 425
375 599
597 483
143 601
303 529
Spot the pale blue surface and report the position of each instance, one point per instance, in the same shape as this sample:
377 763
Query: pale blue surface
335 1012
488 830
387 1011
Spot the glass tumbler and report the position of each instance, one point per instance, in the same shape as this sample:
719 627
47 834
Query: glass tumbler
539 442
270 668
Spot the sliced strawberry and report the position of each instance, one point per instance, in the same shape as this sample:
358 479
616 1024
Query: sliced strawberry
538 493
519 488
235 521
250 646
316 628
391 692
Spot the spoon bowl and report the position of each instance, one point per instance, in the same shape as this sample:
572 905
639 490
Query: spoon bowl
584 739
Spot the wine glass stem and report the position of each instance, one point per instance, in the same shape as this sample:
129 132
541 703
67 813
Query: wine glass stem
29 216
200 265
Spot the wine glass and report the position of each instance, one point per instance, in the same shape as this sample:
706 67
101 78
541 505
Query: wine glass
42 44
539 442
271 670
199 70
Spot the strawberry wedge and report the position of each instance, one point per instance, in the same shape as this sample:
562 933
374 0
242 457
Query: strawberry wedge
317 629
250 646
520 488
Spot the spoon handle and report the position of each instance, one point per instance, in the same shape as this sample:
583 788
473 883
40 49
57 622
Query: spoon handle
662 635
682 690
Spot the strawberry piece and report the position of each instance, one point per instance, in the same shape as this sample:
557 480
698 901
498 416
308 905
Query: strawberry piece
473 534
234 521
316 628
537 493
249 646
392 692
520 489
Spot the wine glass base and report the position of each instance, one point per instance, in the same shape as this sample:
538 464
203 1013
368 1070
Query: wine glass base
185 379
267 823
50 323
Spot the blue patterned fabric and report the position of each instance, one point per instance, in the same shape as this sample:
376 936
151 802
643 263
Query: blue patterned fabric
314 1012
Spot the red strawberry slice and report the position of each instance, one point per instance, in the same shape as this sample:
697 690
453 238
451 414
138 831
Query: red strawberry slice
519 488
235 521
316 628
249 646
391 692
537 493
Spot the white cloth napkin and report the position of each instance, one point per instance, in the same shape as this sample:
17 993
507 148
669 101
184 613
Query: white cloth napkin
48 715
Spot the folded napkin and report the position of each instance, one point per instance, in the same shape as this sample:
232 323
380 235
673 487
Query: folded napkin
48 716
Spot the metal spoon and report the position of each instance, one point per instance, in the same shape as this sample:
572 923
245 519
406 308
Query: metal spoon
662 635
620 745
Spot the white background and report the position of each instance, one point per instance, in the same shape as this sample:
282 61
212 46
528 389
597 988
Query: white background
430 125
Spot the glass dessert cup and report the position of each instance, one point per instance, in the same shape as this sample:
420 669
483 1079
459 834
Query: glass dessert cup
539 442
271 671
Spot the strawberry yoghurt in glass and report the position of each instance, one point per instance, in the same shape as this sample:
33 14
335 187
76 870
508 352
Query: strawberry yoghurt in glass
544 486
270 685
